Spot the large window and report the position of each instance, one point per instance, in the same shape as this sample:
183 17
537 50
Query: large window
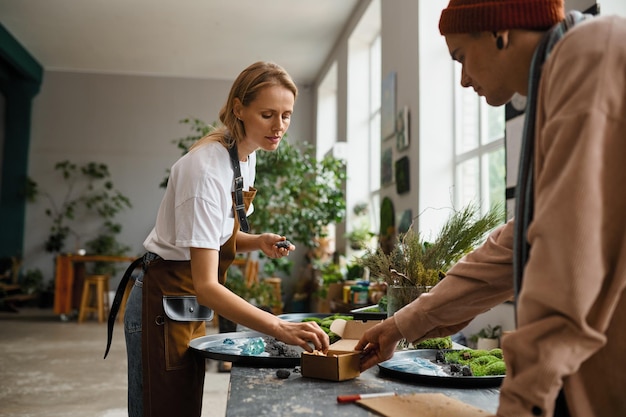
479 158
363 122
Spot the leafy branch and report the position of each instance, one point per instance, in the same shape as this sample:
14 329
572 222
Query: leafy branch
89 192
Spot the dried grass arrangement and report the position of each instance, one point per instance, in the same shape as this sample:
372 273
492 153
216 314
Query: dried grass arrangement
418 263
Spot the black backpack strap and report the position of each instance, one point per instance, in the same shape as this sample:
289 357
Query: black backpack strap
240 208
117 301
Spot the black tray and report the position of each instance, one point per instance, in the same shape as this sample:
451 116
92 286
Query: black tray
362 314
217 347
298 317
403 366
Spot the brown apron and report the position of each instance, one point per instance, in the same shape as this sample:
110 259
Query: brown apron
173 376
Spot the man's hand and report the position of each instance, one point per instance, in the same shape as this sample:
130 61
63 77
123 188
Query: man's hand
378 343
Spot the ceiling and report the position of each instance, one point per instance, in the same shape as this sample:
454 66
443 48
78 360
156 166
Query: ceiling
178 38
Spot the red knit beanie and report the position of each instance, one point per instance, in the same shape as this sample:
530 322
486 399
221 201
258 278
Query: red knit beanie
469 16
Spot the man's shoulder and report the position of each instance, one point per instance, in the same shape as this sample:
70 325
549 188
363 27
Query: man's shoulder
599 26
593 38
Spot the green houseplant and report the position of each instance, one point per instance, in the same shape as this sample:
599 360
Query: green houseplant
90 196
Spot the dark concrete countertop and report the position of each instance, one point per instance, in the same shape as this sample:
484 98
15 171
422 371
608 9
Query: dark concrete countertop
259 392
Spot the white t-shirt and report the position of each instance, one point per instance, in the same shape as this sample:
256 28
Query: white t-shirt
197 208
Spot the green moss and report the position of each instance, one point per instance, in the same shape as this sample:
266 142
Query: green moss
435 343
484 360
495 368
477 353
334 337
497 352
325 323
481 362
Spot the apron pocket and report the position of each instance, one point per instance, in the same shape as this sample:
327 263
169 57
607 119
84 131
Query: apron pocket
185 308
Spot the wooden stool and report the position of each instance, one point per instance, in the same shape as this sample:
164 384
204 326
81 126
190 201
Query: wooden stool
96 301
129 287
276 283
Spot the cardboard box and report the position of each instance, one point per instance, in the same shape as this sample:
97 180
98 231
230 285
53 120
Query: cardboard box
341 362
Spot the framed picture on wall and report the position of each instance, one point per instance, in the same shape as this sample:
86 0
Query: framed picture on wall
386 167
402 169
388 106
406 220
402 129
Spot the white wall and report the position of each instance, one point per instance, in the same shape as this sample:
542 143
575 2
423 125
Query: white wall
127 122
608 7
399 38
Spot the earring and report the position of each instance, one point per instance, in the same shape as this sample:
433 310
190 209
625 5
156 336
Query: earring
499 43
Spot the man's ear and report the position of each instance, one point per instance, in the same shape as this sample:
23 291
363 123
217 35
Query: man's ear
501 38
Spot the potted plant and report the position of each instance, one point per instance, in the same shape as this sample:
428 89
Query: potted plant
414 265
329 285
360 236
487 338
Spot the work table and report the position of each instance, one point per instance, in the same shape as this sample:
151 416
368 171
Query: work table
258 391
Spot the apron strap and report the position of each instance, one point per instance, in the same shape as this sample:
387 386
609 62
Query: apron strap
117 301
240 208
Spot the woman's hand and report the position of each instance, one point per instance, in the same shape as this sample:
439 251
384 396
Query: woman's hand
378 343
268 243
308 335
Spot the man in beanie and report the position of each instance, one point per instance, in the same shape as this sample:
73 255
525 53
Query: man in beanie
563 258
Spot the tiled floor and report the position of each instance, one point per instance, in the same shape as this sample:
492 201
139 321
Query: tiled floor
51 368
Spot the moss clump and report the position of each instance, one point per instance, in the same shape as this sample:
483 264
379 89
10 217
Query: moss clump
435 343
485 360
481 362
495 368
325 323
497 352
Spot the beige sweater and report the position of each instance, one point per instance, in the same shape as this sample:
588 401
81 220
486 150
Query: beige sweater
571 311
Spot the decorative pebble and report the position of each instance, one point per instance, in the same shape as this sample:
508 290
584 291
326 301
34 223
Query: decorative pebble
284 244
283 373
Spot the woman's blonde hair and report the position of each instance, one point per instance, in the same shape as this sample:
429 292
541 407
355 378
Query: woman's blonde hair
246 88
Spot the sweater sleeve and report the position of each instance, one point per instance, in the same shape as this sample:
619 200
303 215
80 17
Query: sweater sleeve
478 282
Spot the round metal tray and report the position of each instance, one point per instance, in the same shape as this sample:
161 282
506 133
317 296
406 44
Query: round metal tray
228 347
407 365
214 346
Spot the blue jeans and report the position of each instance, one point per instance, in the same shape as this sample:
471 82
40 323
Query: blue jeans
132 332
